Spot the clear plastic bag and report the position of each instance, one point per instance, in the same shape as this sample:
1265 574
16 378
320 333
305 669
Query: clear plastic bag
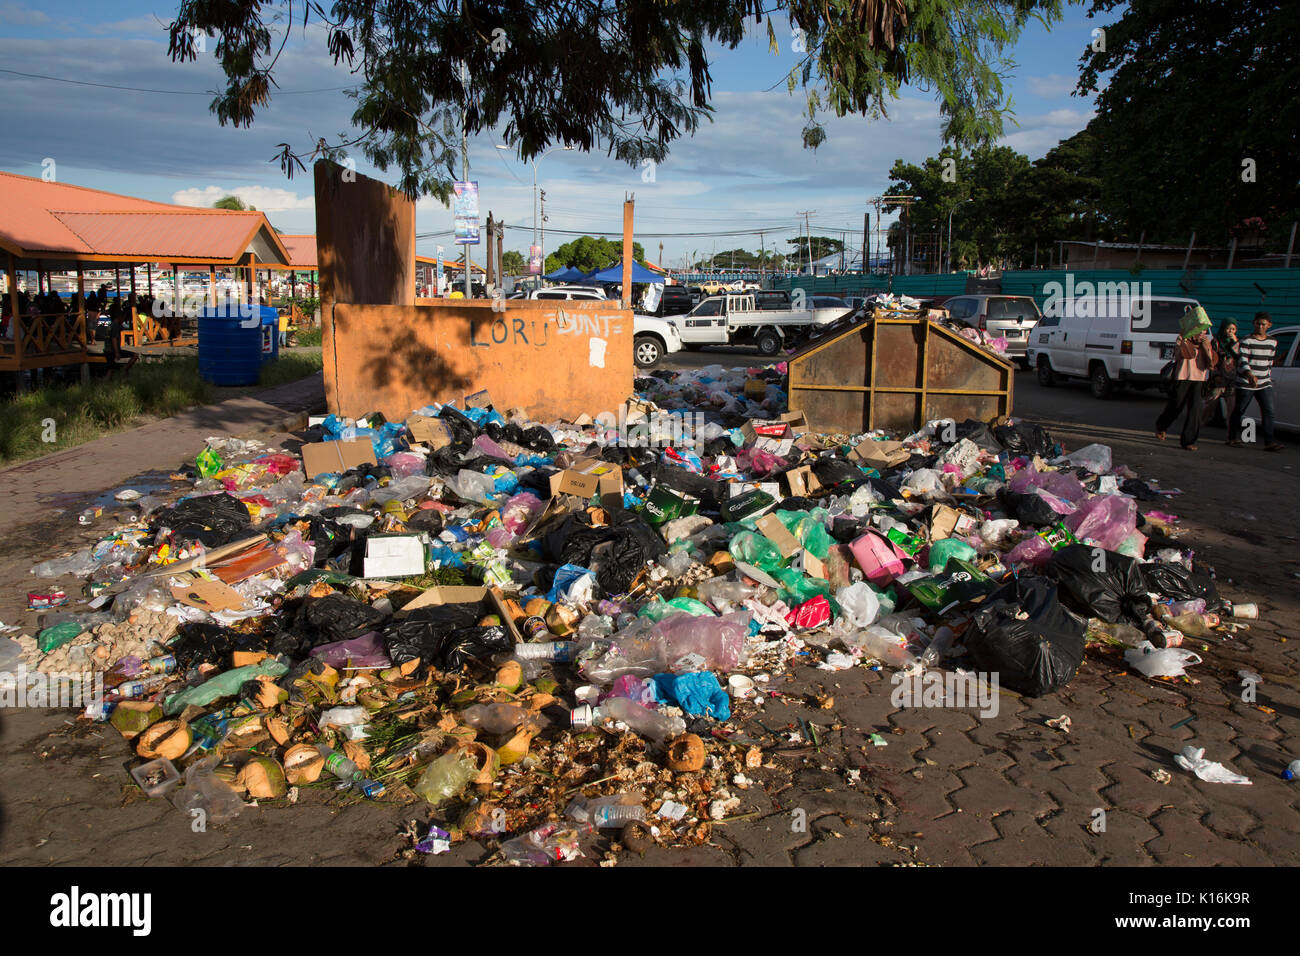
204 796
80 564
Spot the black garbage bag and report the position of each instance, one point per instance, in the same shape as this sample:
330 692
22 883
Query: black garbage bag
1175 582
213 520
329 537
446 461
836 471
340 617
445 635
463 429
719 447
1029 509
538 438
426 519
1027 636
1098 583
980 433
200 642
1024 438
616 552
1139 489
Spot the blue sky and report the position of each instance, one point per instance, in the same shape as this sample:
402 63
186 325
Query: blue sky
745 170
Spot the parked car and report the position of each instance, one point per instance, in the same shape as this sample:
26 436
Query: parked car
652 337
1012 316
1112 341
1286 377
676 300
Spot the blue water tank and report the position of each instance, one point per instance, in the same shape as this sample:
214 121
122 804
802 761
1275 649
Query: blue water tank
233 346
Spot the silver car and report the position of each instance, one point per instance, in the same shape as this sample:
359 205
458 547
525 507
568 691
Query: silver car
1013 316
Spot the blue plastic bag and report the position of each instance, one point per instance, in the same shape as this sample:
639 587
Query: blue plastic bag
699 694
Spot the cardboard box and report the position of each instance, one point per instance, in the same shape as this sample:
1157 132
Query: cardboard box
491 599
880 454
433 432
798 423
749 505
757 428
586 477
779 535
738 488
947 522
393 556
326 457
776 446
665 504
802 481
480 399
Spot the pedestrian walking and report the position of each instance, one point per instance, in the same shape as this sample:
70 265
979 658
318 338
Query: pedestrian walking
1194 356
1222 384
1255 381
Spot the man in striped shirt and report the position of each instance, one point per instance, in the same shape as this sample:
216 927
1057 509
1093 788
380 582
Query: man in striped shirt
1255 380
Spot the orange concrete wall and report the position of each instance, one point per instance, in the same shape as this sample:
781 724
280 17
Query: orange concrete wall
365 239
555 359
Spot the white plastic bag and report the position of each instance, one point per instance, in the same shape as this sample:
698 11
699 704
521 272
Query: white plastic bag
1161 662
1096 458
859 604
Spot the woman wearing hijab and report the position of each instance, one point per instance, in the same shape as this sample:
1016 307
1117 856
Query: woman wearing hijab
1194 357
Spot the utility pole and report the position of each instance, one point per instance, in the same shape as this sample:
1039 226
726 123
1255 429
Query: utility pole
866 220
806 213
762 264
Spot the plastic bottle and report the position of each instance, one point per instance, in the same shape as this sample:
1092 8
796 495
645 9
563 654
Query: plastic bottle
607 812
494 718
648 723
1196 606
1244 611
1192 624
343 768
559 651
1292 770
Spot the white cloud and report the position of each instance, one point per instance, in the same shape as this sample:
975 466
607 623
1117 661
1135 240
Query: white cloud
1052 86
26 16
263 198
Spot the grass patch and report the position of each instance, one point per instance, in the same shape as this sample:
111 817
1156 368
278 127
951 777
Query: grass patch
81 413
308 337
290 367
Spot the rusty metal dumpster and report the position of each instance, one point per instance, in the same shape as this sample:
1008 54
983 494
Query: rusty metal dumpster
897 373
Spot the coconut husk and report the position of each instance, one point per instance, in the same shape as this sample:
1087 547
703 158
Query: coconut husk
357 754
133 717
303 763
686 754
510 675
485 758
167 738
278 729
263 778
269 695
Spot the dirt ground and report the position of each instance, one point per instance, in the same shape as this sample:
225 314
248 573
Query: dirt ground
948 787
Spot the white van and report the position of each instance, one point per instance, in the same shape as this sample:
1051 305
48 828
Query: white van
652 337
1112 341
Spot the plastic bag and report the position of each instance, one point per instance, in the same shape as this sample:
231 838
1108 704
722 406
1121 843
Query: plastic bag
213 520
924 483
617 552
80 564
472 486
1099 583
1160 662
1107 520
887 640
755 549
947 548
1024 633
859 604
223 685
366 651
1024 438
698 694
1179 583
204 791
340 617
445 635
1096 458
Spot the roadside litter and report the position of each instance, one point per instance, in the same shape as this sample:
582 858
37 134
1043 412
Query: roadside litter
550 632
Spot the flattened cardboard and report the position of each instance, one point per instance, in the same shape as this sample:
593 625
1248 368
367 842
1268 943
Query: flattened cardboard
814 565
393 556
480 399
880 454
779 535
208 595
492 599
776 446
946 522
325 457
738 488
802 481
433 432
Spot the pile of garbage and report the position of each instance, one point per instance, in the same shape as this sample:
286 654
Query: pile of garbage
545 631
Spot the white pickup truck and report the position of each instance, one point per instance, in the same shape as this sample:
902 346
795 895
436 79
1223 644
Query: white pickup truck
735 319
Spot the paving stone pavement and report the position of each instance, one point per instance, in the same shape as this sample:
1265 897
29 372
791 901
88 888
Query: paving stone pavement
950 787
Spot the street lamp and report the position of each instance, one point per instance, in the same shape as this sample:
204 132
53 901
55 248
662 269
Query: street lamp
536 219
950 212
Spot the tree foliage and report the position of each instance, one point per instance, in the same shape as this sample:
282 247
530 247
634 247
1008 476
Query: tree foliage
588 252
1186 93
629 77
233 202
513 263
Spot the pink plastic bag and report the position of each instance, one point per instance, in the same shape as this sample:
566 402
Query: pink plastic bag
1107 520
403 464
1033 551
1054 482
757 462
879 558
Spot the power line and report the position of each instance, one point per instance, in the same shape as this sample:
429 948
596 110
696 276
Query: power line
141 89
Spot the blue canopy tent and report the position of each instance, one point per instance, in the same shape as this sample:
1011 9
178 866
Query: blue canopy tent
566 274
615 274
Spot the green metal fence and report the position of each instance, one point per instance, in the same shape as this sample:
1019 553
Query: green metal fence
923 285
1225 293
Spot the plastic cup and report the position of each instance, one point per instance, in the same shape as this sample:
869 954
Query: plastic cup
587 694
741 687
